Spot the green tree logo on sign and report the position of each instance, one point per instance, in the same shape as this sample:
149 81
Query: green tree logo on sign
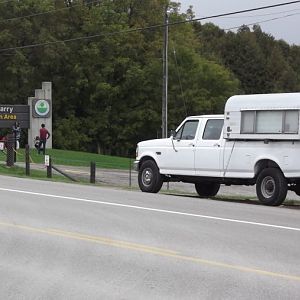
42 107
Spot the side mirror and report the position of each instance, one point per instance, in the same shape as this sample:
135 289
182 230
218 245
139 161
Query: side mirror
172 133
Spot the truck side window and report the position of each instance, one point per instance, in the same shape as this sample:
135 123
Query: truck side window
213 129
187 131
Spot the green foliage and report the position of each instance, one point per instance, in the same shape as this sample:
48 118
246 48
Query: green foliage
261 64
107 90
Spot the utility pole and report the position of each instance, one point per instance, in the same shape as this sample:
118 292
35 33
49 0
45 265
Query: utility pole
165 77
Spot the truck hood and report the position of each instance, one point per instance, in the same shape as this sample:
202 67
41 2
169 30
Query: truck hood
154 143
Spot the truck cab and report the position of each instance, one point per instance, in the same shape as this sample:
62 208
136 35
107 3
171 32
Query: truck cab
195 147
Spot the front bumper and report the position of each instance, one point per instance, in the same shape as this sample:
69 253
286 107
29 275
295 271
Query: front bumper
136 165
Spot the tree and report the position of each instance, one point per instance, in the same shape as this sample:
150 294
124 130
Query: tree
105 61
262 64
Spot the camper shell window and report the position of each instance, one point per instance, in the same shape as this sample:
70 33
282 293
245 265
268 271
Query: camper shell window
270 122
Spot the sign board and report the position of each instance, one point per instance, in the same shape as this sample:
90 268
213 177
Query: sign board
47 160
9 114
41 108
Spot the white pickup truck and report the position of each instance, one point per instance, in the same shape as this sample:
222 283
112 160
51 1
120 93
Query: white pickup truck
256 141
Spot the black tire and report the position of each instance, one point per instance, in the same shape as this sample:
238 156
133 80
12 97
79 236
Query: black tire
271 187
207 189
149 178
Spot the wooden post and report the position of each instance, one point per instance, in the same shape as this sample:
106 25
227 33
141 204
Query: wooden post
27 160
10 150
15 147
129 172
93 173
49 168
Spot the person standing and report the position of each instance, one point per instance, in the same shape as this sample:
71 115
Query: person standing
16 129
44 136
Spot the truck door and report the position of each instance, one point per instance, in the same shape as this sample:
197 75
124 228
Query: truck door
208 149
179 157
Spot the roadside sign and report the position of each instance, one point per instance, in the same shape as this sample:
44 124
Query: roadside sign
47 160
9 114
41 108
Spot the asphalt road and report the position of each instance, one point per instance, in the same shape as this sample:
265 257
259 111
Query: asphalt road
66 241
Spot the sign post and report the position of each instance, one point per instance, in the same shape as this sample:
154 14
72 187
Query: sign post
40 113
47 160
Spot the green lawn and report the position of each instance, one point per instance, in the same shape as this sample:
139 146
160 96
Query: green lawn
36 174
75 158
62 157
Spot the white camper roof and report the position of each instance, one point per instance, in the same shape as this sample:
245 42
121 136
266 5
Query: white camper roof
263 102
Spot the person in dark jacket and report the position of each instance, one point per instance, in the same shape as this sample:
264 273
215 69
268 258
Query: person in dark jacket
44 136
16 129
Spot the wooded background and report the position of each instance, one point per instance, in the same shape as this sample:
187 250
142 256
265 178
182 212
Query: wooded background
107 88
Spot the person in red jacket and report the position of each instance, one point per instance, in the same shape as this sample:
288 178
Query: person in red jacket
44 136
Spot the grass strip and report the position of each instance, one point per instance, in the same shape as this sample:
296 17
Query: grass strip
75 158
34 174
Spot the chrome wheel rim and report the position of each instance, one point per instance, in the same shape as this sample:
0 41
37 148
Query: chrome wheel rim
147 176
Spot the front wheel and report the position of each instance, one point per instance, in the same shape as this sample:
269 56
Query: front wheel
207 189
149 178
271 187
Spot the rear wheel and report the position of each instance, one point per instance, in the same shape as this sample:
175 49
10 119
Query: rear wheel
207 189
149 178
271 187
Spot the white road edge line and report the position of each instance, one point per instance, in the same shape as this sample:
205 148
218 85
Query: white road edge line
151 209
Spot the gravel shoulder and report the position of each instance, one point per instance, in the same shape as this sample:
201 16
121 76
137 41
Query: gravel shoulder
128 179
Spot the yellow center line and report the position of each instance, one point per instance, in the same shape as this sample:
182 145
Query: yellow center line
147 249
96 239
111 242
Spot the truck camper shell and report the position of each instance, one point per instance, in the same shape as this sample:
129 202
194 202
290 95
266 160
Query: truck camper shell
262 117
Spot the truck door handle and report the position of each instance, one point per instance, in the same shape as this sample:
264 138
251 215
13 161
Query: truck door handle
217 145
192 144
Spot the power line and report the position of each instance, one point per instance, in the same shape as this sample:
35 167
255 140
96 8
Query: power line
36 14
259 15
241 11
97 1
45 12
263 21
152 27
263 15
198 19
